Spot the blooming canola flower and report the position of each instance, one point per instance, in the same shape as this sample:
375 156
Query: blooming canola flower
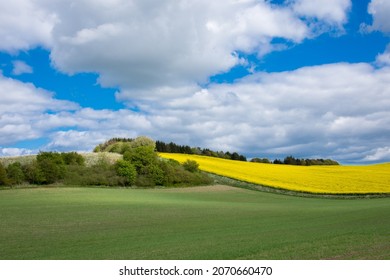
333 179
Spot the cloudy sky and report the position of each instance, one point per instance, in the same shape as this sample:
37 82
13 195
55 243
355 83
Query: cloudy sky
308 78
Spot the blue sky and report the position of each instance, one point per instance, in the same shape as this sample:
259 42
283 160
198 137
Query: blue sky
264 78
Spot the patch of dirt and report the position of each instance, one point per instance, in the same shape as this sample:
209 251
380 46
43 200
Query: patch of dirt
212 188
376 252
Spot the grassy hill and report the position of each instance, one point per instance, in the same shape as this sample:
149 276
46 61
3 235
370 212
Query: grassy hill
213 222
208 222
335 179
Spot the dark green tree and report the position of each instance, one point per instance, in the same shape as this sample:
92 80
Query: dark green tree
191 165
72 158
15 173
127 170
33 173
54 157
3 176
260 160
52 166
141 156
290 160
52 171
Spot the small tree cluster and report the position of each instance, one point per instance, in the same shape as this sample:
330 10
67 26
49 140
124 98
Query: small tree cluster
290 160
261 160
140 166
184 149
122 145
106 146
126 170
152 170
47 168
191 166
15 173
3 176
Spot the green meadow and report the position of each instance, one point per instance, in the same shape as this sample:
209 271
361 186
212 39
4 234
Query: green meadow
212 222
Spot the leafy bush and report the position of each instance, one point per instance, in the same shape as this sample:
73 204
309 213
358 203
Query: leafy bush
33 173
54 157
125 147
143 141
154 173
72 158
52 166
171 170
116 148
3 176
127 170
144 181
176 175
191 166
97 175
51 171
141 156
106 145
100 176
15 173
122 145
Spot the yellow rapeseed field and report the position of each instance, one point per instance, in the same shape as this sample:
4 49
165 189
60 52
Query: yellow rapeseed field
313 179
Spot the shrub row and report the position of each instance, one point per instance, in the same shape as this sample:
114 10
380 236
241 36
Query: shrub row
140 166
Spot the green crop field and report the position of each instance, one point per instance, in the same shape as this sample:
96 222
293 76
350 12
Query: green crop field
214 222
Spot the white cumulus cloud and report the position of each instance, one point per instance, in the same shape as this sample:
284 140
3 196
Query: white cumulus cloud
384 58
311 111
160 54
379 154
337 110
21 105
25 24
20 67
140 45
380 10
330 11
11 152
148 48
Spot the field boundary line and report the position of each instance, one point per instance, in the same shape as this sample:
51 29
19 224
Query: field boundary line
218 179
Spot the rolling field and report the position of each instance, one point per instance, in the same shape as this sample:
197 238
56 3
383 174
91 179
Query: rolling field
213 222
370 179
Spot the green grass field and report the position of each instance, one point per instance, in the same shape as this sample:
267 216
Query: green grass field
214 222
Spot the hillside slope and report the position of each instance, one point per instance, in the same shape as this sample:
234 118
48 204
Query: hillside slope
370 179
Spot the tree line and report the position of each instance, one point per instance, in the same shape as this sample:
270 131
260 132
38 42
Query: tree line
290 160
112 145
185 149
121 145
139 166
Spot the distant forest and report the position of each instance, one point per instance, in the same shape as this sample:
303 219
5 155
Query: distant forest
118 145
180 149
290 160
171 147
